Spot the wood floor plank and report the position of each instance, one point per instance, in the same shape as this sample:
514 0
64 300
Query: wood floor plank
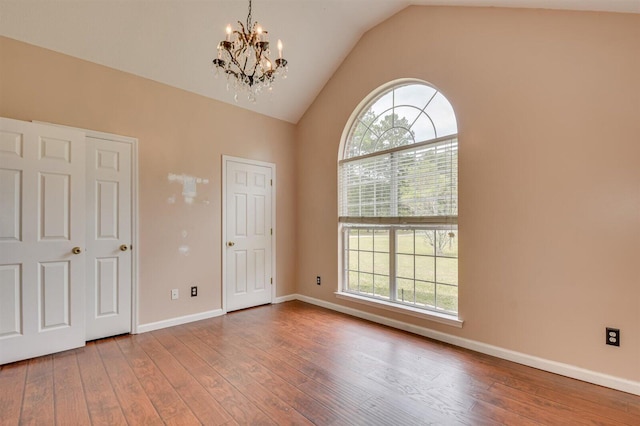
71 406
12 376
498 415
294 363
134 402
103 406
38 404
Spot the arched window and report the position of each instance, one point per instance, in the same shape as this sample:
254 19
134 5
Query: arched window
398 200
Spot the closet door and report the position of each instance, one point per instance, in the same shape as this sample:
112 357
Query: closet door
42 239
109 237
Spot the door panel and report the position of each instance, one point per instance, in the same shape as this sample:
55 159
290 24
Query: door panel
53 206
109 177
10 296
248 231
42 189
53 299
10 208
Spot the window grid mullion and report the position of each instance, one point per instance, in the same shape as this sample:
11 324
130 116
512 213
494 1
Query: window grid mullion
435 269
415 289
392 265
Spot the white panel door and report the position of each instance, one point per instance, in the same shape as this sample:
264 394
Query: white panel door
108 238
42 224
248 203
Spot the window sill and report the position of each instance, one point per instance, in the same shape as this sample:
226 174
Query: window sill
438 317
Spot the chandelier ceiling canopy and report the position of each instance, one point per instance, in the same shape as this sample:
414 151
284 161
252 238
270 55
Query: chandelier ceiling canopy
244 57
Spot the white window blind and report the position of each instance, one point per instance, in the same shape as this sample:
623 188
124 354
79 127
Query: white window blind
414 184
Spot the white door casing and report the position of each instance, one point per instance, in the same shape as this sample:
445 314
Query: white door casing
42 204
248 217
109 237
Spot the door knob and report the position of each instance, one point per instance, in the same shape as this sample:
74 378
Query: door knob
123 247
76 250
231 244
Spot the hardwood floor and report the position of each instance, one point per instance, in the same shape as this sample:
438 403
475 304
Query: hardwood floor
294 363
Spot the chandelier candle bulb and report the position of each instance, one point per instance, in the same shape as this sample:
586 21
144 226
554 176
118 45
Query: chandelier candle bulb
279 49
228 33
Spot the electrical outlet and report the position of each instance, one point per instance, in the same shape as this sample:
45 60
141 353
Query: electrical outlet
613 336
318 280
194 291
174 294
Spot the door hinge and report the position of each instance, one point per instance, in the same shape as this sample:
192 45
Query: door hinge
271 181
271 231
271 280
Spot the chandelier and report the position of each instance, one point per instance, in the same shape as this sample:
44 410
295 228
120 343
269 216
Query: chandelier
244 57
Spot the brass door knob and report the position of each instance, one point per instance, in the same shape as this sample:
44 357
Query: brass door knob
231 244
124 247
76 250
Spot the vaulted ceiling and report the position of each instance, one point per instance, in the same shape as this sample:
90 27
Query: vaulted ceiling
174 41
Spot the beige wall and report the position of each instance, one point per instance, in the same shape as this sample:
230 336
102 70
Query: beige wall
548 105
178 132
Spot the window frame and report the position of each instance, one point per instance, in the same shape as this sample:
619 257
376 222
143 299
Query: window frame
391 223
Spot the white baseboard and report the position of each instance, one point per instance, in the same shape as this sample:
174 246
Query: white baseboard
567 370
287 298
143 328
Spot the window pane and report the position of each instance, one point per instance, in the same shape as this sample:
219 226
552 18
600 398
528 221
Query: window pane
447 270
382 124
381 286
366 261
384 103
356 140
425 268
425 293
425 240
381 263
404 243
381 241
353 238
447 298
366 283
448 242
406 291
404 266
406 115
395 137
423 129
353 260
414 94
441 112
367 117
366 239
352 285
